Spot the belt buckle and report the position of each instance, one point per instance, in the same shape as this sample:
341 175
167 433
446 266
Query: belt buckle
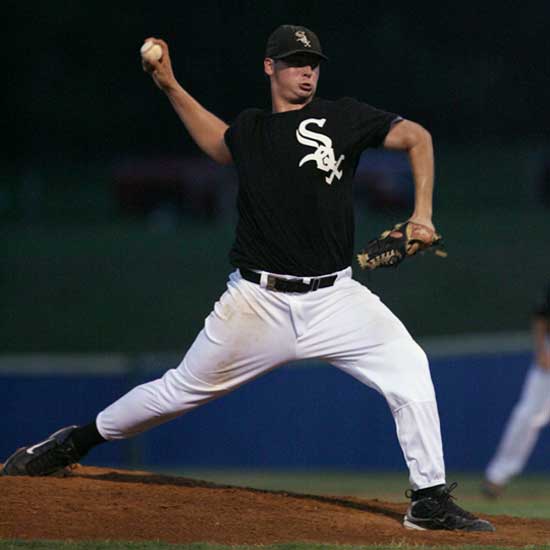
271 282
314 285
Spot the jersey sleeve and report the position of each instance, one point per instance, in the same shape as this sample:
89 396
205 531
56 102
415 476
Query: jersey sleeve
229 134
542 308
234 134
367 125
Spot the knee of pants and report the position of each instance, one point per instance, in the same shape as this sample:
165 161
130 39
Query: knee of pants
531 415
178 391
409 379
541 419
537 418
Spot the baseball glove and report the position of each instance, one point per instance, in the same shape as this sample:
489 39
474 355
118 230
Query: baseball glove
394 245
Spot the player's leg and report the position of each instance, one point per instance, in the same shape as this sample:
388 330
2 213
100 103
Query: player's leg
247 334
361 336
520 435
357 333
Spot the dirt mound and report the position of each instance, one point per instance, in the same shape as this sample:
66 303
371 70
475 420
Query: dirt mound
99 504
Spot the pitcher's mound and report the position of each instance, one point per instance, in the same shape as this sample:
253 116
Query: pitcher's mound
103 504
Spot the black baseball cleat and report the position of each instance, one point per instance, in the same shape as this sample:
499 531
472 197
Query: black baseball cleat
438 511
45 458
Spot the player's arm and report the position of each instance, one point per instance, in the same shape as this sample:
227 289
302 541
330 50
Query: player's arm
409 136
541 332
206 129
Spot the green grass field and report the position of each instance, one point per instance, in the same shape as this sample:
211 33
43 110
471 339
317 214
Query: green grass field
528 496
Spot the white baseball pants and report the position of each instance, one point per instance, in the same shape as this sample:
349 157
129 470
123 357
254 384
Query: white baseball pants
531 413
252 330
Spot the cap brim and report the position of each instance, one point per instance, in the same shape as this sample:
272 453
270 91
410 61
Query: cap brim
303 50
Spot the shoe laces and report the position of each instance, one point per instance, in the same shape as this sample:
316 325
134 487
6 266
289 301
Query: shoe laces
444 503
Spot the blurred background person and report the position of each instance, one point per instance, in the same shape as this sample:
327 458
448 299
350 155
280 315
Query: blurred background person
531 413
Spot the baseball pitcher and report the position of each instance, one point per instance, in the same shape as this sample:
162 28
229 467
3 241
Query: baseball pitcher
291 295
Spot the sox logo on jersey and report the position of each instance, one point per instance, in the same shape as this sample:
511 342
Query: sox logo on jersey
324 152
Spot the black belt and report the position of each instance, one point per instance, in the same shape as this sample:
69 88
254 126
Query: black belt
289 285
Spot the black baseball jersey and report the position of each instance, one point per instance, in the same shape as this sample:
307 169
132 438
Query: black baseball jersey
542 308
295 172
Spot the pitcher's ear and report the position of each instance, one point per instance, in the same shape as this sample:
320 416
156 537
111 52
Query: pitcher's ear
269 66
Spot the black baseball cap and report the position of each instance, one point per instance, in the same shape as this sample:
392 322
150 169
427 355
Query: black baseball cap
290 39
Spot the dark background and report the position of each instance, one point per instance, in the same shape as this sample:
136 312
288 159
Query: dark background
468 71
77 273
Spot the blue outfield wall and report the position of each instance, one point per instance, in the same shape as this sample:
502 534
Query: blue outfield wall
301 415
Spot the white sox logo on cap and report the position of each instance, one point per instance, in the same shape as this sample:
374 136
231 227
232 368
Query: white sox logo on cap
324 152
301 37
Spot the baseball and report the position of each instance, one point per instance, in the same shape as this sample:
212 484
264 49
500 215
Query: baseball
151 51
